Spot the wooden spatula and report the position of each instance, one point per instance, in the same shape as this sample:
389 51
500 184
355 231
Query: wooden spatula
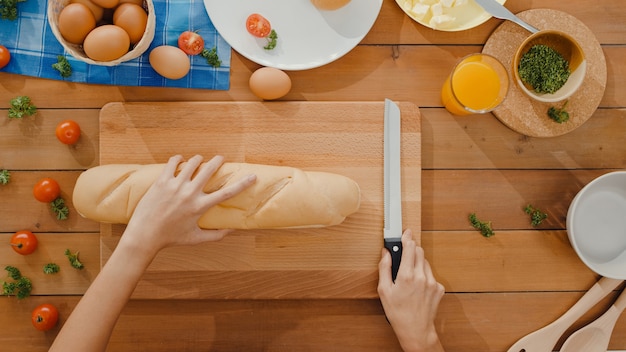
596 336
544 339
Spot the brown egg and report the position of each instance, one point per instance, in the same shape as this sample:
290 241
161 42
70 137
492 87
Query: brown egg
75 22
106 43
269 83
95 9
133 19
107 4
136 2
169 61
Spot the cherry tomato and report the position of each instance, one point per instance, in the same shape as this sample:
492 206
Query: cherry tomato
46 190
45 317
5 56
191 43
258 25
24 242
68 132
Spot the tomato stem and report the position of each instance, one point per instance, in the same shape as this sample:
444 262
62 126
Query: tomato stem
18 245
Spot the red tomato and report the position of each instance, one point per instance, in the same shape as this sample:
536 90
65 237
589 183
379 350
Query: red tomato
46 190
191 43
5 56
45 317
258 25
24 242
68 132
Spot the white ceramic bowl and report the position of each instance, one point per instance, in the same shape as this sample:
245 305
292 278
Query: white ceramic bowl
596 225
571 51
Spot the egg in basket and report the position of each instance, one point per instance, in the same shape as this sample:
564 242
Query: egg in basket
103 32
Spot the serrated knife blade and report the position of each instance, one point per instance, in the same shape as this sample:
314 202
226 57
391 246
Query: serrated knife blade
392 231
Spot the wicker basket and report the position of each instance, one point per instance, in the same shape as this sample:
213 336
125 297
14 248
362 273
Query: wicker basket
55 7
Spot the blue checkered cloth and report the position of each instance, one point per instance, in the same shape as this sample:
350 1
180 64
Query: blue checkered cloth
34 49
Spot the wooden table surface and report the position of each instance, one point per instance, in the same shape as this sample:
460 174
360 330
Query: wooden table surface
498 289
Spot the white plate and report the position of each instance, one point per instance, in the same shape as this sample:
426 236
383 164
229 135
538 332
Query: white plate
467 16
596 224
307 37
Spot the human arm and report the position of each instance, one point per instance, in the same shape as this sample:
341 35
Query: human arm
166 216
411 302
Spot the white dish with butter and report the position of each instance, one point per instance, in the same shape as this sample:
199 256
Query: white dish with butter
446 15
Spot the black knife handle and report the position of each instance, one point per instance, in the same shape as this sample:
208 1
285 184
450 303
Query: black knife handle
395 249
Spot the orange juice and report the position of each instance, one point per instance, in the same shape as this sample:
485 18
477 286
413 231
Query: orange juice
478 84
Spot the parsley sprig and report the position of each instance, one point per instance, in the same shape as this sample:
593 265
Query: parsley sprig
74 261
21 285
483 226
21 107
536 215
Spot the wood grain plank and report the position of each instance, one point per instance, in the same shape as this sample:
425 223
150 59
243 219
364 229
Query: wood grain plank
51 249
499 196
467 321
345 138
24 212
368 73
31 143
483 142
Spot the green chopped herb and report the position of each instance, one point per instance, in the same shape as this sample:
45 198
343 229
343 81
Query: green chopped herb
20 287
5 177
211 57
271 40
73 258
63 66
8 9
544 69
51 268
14 273
20 107
559 115
484 227
59 208
536 215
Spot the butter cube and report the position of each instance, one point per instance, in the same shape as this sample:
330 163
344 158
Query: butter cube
436 9
458 3
419 11
446 3
441 21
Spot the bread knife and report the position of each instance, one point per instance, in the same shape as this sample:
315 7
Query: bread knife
392 185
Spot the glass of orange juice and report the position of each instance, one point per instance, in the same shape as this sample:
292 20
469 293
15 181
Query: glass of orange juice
478 84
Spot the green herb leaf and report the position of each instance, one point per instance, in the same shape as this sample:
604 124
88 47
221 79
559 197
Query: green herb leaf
63 66
51 268
536 215
5 177
60 209
14 272
484 227
559 114
21 106
73 258
211 57
271 40
8 9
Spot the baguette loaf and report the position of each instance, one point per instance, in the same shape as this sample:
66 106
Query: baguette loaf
282 197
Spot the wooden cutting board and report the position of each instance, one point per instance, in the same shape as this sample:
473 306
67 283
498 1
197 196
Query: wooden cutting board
340 137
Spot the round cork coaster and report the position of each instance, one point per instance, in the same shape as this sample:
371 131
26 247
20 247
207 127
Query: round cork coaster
530 117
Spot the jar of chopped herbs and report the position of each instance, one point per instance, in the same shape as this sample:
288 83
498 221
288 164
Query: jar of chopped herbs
543 69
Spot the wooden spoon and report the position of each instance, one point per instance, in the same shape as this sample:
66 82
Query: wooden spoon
544 339
595 337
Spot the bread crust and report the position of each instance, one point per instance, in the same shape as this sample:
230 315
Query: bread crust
282 197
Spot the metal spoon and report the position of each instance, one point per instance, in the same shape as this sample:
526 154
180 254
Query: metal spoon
595 337
544 339
497 10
